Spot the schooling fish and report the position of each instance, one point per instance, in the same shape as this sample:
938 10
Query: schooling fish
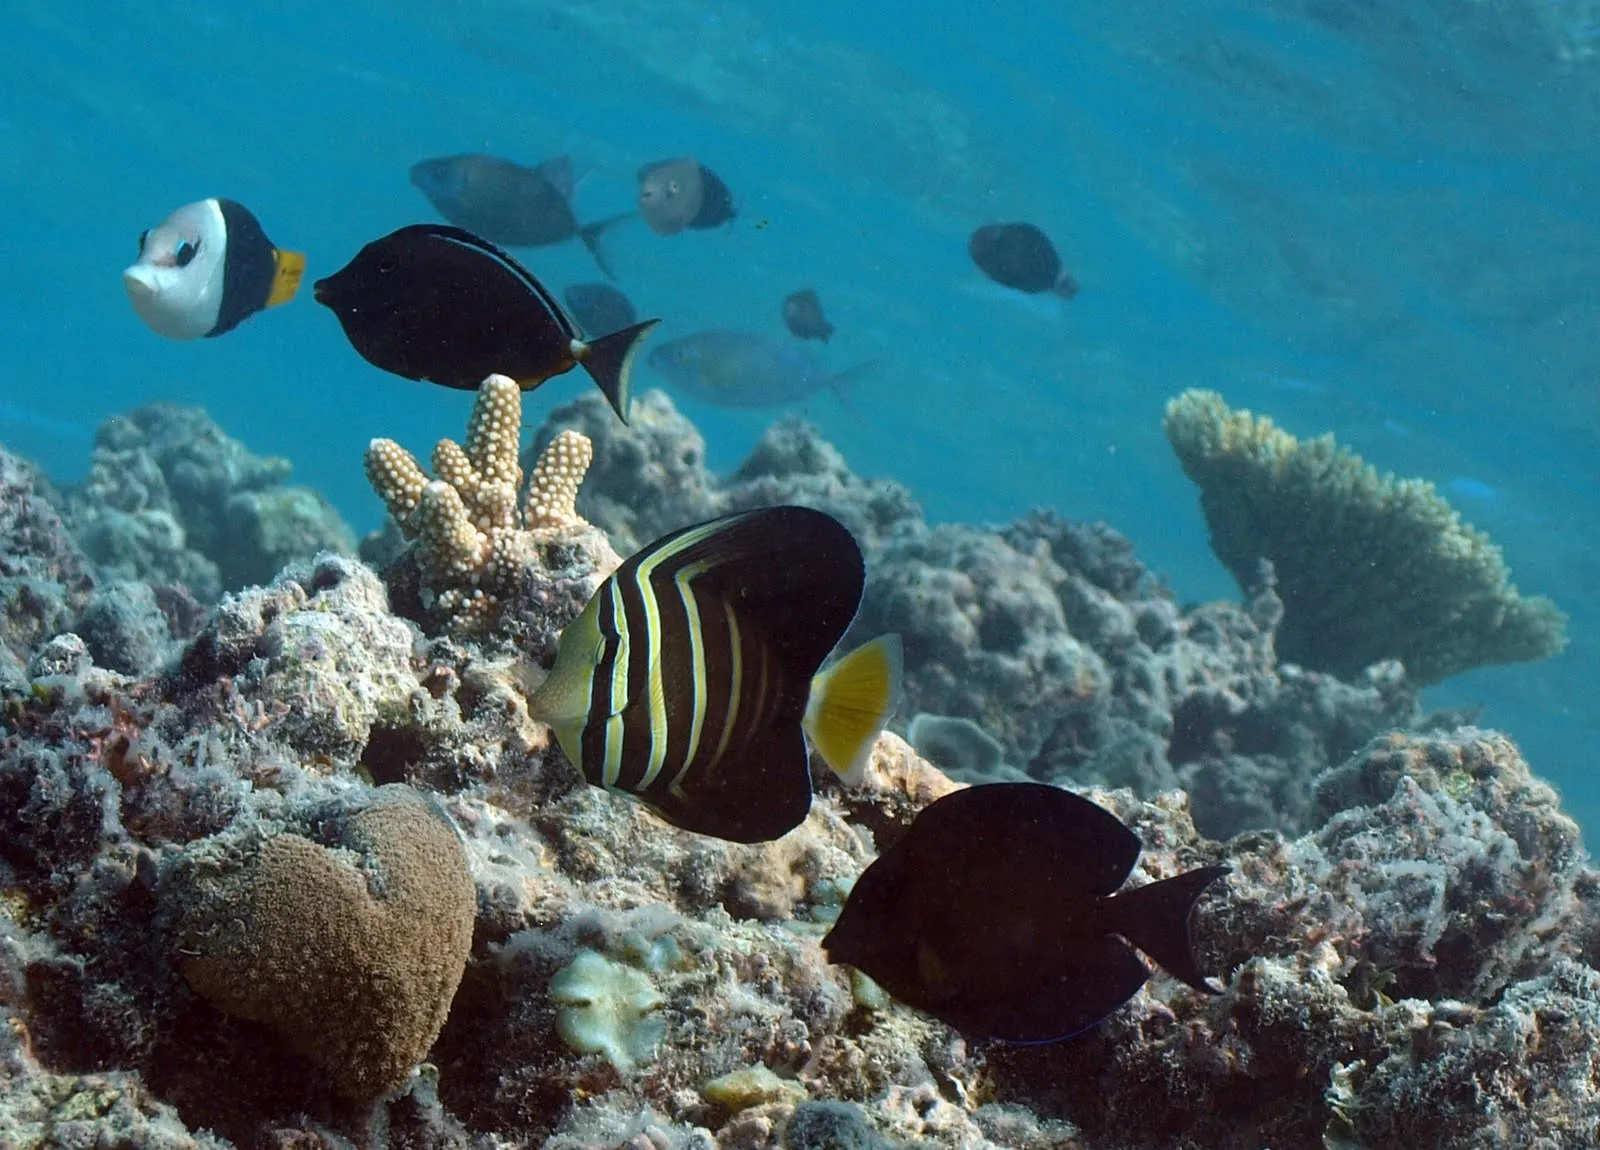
998 913
509 204
802 315
438 303
206 269
1021 256
679 194
746 369
690 680
599 308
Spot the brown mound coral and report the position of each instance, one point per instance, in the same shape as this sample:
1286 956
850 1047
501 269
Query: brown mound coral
1369 567
351 950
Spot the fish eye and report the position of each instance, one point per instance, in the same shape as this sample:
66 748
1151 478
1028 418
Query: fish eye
673 188
144 235
185 254
387 265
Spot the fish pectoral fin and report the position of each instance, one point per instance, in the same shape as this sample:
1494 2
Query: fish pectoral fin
850 703
289 268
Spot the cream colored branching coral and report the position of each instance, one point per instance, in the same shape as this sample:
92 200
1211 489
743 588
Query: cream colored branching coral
472 538
1369 567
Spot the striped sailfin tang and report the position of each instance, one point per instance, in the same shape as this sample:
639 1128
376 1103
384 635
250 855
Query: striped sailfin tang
692 666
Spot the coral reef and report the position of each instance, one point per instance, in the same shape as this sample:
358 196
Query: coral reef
170 499
1407 941
1369 567
45 581
1048 635
473 542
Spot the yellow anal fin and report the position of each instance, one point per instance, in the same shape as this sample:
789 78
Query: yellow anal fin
289 269
850 702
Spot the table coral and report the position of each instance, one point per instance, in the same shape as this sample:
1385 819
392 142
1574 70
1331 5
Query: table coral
472 540
1369 567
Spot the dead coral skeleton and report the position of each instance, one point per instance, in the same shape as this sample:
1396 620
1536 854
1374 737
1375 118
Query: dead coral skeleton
472 537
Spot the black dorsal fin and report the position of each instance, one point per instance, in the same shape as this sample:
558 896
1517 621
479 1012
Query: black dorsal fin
794 571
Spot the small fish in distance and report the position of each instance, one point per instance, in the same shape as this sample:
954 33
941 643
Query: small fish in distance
206 269
599 308
802 315
437 303
508 203
1021 256
747 369
690 681
683 193
998 913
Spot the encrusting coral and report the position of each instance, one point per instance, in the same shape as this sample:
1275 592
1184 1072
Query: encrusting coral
473 541
1369 567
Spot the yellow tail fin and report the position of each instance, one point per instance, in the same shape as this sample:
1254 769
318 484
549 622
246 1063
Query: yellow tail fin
850 702
291 267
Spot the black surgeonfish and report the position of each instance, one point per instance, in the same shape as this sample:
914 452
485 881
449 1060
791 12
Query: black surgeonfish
207 268
440 304
509 203
998 913
690 680
1021 256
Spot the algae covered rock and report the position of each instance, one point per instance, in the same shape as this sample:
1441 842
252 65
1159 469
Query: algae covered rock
348 940
1369 567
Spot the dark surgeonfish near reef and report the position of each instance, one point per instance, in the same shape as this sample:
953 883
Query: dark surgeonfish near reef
802 315
207 268
1021 256
998 913
691 680
599 308
682 193
508 203
440 304
747 369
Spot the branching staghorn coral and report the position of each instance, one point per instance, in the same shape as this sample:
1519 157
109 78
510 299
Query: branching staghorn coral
473 540
1369 567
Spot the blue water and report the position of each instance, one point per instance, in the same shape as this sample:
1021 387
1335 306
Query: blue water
1380 219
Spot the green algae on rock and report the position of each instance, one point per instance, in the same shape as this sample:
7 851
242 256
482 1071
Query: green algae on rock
352 951
1369 567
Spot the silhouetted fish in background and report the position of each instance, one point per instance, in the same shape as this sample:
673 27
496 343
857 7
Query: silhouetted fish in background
682 193
691 678
998 913
802 315
746 369
599 308
509 204
1021 256
438 303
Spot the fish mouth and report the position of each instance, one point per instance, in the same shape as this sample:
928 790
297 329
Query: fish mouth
321 290
137 283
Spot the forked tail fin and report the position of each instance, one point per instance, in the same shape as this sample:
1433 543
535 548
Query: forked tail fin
1155 918
590 235
609 362
850 702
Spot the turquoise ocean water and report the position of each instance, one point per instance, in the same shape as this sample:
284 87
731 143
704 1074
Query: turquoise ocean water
1379 219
